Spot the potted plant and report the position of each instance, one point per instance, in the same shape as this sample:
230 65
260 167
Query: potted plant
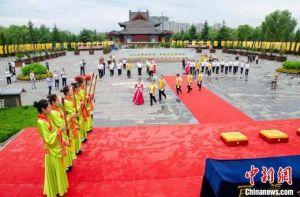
198 49
106 50
28 59
212 50
225 50
47 55
263 54
55 53
91 51
52 54
19 61
271 56
76 50
41 56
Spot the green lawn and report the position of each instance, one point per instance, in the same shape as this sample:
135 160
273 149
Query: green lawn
13 120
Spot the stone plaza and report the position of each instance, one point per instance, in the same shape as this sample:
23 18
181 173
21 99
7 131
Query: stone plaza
113 99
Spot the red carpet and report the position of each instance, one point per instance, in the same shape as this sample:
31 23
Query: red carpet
144 160
206 106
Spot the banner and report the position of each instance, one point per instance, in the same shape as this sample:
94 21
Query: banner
186 42
235 43
216 43
288 46
222 43
57 45
208 43
201 42
293 46
173 42
298 47
244 44
1 50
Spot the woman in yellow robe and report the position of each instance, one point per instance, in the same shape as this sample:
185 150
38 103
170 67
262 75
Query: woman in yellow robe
56 180
58 119
88 106
84 114
73 118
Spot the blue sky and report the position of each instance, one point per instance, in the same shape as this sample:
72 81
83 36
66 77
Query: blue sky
74 15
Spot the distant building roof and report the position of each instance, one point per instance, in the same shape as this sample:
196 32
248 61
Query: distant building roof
139 27
11 91
139 23
139 15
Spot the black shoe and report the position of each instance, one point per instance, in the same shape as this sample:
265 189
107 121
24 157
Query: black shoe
84 140
79 152
69 169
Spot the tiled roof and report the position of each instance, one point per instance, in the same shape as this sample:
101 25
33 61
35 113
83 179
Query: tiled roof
139 27
10 91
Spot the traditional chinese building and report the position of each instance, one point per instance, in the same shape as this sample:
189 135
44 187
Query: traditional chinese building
139 29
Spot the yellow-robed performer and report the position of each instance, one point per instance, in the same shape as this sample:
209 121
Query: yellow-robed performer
56 180
89 103
71 108
80 95
59 120
189 82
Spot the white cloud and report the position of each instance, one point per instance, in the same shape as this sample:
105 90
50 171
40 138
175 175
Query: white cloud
104 15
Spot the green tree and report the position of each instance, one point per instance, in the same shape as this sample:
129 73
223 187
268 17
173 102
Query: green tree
256 34
297 36
3 41
86 35
244 32
193 33
278 26
31 33
232 34
205 32
2 38
213 34
100 37
44 34
176 36
55 35
223 33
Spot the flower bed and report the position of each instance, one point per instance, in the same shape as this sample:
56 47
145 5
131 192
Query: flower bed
290 67
40 72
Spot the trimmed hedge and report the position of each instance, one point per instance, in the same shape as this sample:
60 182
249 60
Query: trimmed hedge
40 72
37 68
291 65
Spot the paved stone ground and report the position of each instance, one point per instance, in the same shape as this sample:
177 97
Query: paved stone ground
255 97
114 105
114 94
